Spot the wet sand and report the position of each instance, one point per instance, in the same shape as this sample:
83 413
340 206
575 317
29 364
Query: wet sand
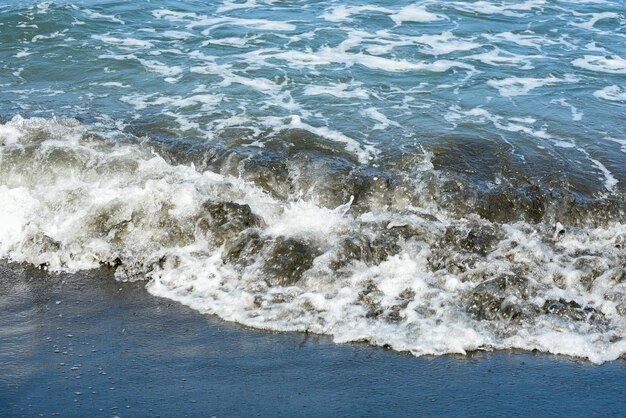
86 345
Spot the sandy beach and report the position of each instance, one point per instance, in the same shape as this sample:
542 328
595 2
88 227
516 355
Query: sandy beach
87 345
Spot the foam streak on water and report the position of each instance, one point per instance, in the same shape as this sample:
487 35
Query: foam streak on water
436 177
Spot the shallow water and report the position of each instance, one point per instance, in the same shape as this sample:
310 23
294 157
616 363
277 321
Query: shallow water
85 344
435 177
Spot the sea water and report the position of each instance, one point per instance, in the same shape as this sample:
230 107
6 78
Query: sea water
434 177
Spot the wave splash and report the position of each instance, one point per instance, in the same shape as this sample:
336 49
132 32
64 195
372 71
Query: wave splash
403 260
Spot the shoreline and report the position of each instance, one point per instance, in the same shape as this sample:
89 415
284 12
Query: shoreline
85 344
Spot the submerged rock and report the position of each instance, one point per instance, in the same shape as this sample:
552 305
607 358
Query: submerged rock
42 242
620 241
370 298
591 267
286 261
226 220
351 249
459 248
243 250
479 239
272 177
570 309
283 260
502 297
618 275
392 237
394 313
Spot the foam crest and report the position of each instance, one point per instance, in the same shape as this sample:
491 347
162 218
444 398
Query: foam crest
382 121
339 90
194 20
414 13
613 64
410 276
595 18
344 13
227 6
445 43
498 57
517 86
513 9
364 152
523 39
326 56
129 42
99 16
516 124
612 93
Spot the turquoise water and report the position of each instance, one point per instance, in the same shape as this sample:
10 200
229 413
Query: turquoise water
538 82
435 177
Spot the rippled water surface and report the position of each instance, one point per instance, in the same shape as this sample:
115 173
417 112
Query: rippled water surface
431 176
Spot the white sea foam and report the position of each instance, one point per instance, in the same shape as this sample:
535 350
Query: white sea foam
595 18
59 210
517 86
415 13
234 41
177 34
54 35
194 20
384 42
621 142
24 53
115 84
207 101
609 179
363 151
576 114
593 47
161 68
410 13
10 134
138 101
519 125
97 16
260 84
339 90
382 121
174 16
155 66
498 57
528 39
128 42
328 56
260 24
343 13
387 64
514 9
612 93
445 43
227 6
613 64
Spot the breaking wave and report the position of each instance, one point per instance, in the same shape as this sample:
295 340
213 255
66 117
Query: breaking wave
409 254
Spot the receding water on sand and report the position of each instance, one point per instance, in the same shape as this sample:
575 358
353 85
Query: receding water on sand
87 345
